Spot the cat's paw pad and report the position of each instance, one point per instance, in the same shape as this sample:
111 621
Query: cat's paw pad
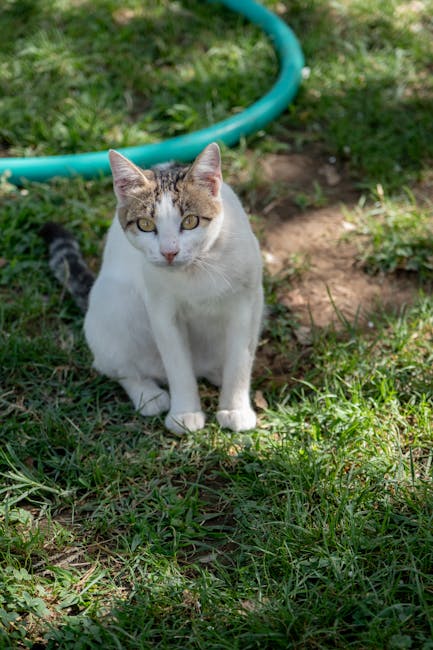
184 422
158 403
237 419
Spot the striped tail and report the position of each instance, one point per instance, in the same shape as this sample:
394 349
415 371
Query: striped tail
67 263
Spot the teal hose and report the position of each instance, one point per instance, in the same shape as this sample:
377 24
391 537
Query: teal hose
186 147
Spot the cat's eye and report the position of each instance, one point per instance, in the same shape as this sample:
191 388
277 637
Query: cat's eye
190 222
146 225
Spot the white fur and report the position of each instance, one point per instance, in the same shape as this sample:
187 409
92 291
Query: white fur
151 324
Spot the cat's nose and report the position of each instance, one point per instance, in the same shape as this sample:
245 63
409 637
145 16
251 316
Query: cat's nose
170 255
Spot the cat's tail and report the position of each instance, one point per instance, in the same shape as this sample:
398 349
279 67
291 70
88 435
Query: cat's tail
67 263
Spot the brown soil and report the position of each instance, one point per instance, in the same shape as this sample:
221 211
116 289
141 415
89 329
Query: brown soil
332 281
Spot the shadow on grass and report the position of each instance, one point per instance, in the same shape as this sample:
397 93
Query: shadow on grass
369 97
314 531
386 138
309 554
104 72
366 99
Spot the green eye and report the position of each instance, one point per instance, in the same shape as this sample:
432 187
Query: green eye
190 222
146 225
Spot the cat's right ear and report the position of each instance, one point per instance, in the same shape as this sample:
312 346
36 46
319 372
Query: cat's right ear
126 175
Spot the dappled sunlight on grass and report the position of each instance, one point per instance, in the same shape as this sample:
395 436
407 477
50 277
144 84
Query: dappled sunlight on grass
104 81
313 531
326 509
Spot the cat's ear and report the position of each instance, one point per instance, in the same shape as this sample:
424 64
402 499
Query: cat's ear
126 175
206 168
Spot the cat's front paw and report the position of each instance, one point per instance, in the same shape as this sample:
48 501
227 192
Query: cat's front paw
156 404
184 422
237 419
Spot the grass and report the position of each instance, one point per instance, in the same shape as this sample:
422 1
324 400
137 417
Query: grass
313 531
370 92
398 237
142 91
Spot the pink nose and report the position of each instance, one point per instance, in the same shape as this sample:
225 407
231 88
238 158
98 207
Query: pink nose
170 255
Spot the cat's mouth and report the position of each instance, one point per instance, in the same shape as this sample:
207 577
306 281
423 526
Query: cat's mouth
174 264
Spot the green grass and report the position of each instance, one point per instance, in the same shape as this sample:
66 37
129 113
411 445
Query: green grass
370 91
398 236
316 529
107 76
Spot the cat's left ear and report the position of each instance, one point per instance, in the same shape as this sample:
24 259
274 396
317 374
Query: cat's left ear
206 168
126 175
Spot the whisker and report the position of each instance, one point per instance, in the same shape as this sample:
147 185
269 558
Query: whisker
201 265
217 270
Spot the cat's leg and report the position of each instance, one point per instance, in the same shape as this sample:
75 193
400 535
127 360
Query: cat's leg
146 395
171 339
242 332
118 333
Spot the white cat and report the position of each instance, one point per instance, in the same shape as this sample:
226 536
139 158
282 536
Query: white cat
179 294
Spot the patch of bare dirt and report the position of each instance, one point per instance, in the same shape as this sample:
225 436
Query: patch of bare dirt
332 283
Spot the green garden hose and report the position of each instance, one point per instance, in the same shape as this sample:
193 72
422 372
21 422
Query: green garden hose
186 147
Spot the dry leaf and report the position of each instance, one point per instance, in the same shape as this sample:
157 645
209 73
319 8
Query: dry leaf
259 400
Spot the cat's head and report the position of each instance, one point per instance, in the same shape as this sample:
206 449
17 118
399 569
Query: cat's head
172 214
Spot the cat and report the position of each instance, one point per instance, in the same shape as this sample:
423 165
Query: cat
179 294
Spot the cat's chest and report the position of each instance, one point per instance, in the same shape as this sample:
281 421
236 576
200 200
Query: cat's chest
202 291
199 299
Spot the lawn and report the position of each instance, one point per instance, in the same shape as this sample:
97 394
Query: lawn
316 529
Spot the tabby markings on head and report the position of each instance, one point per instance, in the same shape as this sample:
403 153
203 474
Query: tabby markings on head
189 196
